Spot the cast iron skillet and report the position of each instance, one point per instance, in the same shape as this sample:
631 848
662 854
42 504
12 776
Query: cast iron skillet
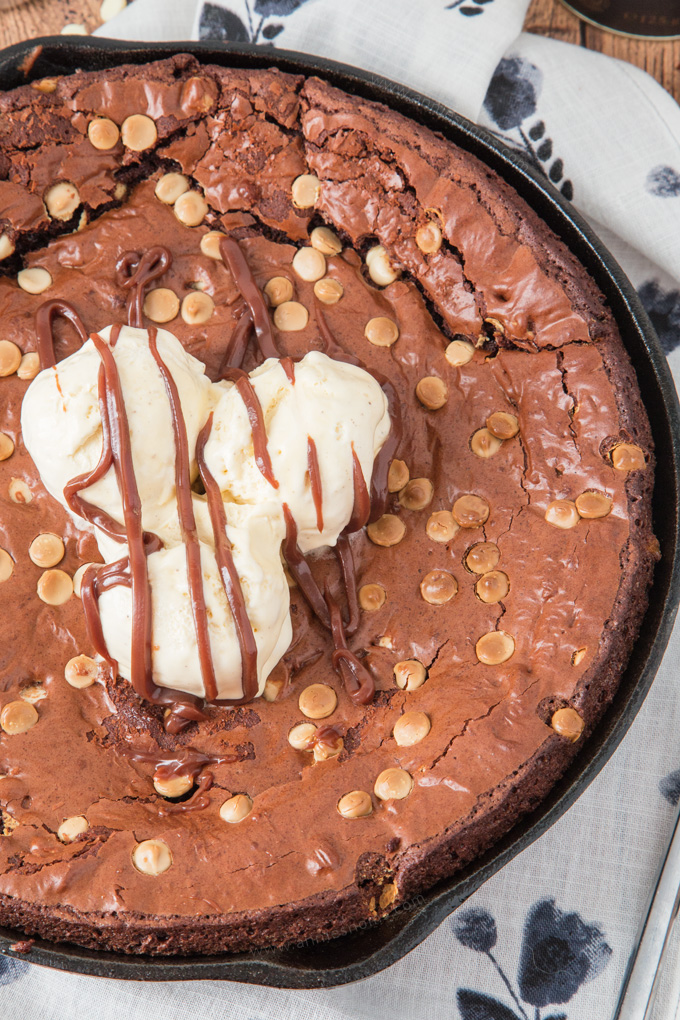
375 946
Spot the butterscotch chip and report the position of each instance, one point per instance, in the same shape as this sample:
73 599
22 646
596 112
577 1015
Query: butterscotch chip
290 317
210 244
357 804
81 671
628 457
438 587
393 784
190 208
397 476
172 786
318 701
7 246
152 857
55 587
161 304
328 291
272 689
305 191
485 444
459 352
34 280
103 133
301 737
562 513
45 85
236 808
19 491
381 331
46 550
29 366
567 723
62 200
18 717
326 241
372 597
380 269
429 238
79 575
328 748
72 827
138 132
471 511
502 424
441 527
409 674
495 647
277 290
591 504
386 531
410 728
170 187
34 693
417 494
10 358
578 656
309 264
482 557
6 565
197 308
6 446
432 392
492 587
120 191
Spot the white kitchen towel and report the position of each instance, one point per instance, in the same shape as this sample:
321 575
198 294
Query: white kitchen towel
548 938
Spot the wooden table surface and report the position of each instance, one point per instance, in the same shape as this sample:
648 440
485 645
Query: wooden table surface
24 20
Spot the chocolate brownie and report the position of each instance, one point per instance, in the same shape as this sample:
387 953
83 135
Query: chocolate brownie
472 626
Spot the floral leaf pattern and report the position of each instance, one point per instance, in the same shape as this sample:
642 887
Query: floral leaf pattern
663 182
559 953
469 8
511 101
670 784
217 22
663 308
11 969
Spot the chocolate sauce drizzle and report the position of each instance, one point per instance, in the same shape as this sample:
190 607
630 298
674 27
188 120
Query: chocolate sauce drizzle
230 579
135 272
315 481
44 328
256 418
235 260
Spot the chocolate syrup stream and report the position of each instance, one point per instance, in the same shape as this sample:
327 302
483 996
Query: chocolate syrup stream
343 551
362 501
187 761
238 344
44 323
315 481
288 366
136 272
301 571
228 573
187 522
256 418
358 682
235 260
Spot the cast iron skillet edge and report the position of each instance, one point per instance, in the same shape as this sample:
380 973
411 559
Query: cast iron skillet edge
366 951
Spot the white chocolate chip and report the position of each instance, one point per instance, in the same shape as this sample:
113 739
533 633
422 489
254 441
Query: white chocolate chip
29 366
305 191
46 550
236 808
18 717
381 331
291 316
152 857
309 264
10 358
326 241
191 208
380 269
72 827
278 290
73 29
301 737
81 671
197 308
357 804
210 244
393 784
55 587
328 291
6 246
110 8
459 352
19 491
172 786
103 133
6 446
79 575
410 728
62 200
6 565
170 187
318 701
138 132
34 280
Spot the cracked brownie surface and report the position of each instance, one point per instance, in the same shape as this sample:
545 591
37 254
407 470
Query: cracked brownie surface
500 596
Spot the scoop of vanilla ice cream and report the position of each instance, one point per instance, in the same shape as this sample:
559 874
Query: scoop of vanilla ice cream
255 534
339 405
61 423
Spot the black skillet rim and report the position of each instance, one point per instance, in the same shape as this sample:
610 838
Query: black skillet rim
367 951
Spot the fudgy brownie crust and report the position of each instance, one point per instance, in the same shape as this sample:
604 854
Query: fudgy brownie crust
547 351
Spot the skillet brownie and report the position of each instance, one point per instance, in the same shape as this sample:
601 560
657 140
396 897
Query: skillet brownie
325 494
